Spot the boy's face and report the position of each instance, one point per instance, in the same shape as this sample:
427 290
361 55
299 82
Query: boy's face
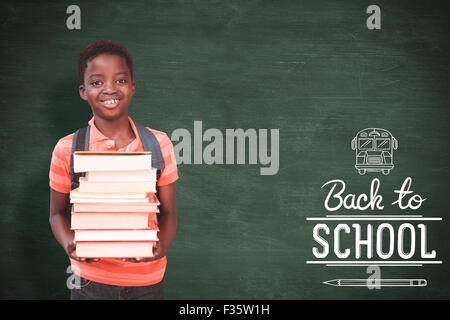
108 86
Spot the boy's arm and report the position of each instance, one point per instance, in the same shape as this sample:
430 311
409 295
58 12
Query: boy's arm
60 224
168 219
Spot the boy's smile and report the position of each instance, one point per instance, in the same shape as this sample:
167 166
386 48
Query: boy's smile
110 103
108 86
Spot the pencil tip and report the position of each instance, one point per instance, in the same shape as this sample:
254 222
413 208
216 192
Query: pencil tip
333 282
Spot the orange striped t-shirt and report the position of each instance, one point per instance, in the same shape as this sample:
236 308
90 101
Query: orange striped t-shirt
114 271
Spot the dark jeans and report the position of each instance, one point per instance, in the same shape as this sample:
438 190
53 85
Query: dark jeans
91 290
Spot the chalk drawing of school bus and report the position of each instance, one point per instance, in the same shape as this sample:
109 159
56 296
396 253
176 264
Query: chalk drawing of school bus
374 150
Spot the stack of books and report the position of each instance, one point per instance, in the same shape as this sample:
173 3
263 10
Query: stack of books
114 208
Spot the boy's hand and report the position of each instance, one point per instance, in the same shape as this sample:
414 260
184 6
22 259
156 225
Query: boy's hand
71 246
159 251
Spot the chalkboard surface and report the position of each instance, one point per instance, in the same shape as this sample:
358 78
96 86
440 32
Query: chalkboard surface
312 70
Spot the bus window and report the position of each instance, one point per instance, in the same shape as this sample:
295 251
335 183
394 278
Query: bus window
365 144
383 144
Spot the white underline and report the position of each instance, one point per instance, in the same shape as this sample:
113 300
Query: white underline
370 218
374 216
363 265
374 262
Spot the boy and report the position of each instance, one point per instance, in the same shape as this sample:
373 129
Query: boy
106 75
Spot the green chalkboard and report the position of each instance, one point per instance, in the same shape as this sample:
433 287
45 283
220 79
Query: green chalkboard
310 71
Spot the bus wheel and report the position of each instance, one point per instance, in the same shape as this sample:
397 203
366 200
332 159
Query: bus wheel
385 171
362 171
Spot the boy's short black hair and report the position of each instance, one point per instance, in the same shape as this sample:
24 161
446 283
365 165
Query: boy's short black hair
99 47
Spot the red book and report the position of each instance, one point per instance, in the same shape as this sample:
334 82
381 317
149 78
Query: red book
150 206
114 249
111 208
123 220
116 235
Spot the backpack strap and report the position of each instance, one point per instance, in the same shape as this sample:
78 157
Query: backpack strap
80 143
151 144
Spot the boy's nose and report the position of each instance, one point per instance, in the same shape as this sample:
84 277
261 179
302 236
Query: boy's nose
109 87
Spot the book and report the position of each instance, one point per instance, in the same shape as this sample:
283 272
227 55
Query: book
123 220
116 207
87 186
84 161
121 176
116 235
150 206
76 193
114 249
106 200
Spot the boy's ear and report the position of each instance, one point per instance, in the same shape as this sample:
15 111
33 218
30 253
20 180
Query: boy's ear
133 88
82 91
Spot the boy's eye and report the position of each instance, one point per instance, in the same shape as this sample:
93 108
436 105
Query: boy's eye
96 83
122 81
